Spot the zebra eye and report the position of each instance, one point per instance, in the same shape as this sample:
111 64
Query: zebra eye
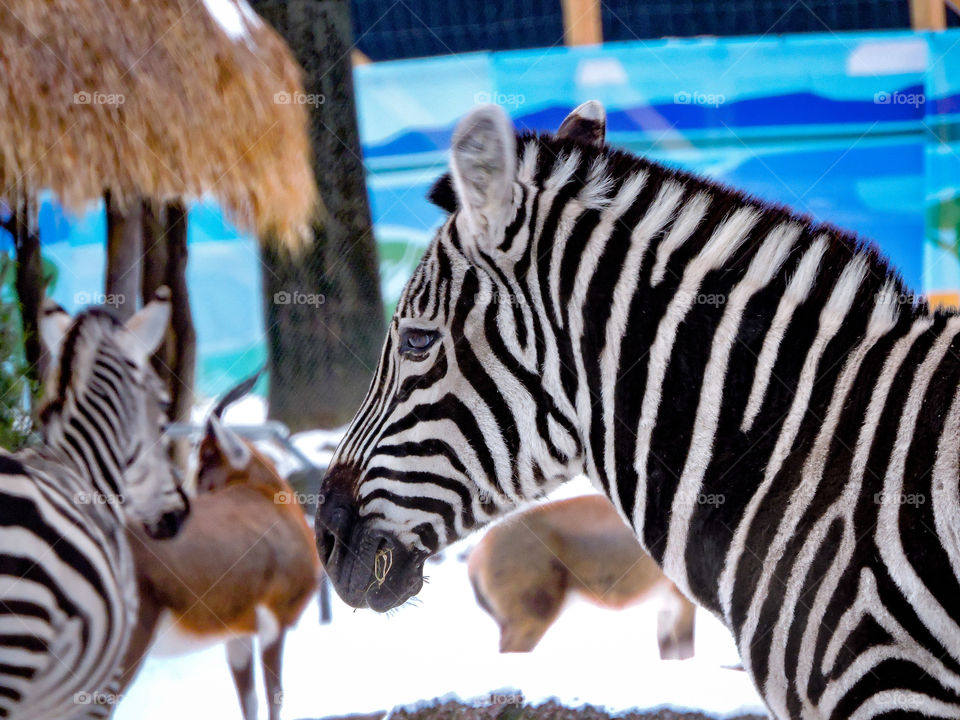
416 342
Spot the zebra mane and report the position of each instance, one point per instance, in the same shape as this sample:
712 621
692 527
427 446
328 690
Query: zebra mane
617 165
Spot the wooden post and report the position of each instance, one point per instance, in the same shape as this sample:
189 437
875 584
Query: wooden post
184 361
30 290
124 246
928 14
153 264
582 24
153 268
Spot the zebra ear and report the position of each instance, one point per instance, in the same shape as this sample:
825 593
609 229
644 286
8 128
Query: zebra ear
148 327
586 124
483 165
53 327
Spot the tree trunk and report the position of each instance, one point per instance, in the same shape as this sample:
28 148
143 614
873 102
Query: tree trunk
185 337
153 264
30 292
153 268
124 247
324 313
165 263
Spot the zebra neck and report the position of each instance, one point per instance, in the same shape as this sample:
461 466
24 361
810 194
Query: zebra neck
689 324
92 452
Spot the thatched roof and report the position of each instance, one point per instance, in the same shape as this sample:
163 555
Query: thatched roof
154 98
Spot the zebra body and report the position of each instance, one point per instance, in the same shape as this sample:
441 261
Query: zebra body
68 596
759 396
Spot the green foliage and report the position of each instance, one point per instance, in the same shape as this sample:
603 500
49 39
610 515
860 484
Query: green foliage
15 392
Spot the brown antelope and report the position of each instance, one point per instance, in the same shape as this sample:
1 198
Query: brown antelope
524 568
244 566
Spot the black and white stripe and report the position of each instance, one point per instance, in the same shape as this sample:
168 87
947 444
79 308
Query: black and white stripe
67 587
759 395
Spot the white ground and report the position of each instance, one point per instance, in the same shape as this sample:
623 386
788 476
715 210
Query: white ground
447 645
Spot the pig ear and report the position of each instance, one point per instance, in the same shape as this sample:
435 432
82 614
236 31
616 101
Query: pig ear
587 124
231 448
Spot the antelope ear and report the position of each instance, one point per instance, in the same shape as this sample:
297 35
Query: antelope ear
483 166
146 329
232 449
587 124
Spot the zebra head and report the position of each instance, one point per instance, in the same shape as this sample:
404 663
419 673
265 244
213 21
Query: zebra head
466 417
106 410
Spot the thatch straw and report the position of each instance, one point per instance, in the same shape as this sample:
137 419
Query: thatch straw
156 99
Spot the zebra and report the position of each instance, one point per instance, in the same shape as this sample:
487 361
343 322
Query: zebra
758 394
68 596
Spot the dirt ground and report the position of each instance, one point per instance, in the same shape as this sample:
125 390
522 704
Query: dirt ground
513 710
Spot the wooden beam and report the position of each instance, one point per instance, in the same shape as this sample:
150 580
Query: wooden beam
582 22
928 14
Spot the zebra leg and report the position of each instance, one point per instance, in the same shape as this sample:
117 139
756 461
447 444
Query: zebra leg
240 658
271 657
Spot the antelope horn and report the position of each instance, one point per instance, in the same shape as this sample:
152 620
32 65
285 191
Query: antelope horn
236 392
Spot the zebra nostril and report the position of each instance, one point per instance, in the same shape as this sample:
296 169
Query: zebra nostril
326 541
331 528
336 517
